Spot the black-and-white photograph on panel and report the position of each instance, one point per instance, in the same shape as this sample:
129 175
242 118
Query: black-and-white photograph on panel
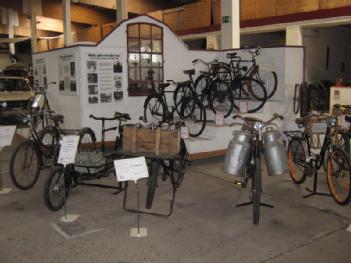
67 75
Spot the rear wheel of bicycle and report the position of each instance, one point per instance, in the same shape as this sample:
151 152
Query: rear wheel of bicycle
342 140
221 97
339 176
152 183
256 191
25 165
87 140
196 116
49 139
268 79
55 188
181 92
201 87
154 109
297 160
296 98
318 96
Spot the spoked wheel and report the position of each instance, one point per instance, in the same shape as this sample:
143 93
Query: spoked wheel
296 99
87 140
342 140
49 139
268 79
297 160
152 183
181 92
338 175
154 109
55 189
221 97
201 87
256 191
196 116
25 165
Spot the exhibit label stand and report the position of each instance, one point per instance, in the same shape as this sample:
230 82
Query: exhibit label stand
6 136
133 169
67 156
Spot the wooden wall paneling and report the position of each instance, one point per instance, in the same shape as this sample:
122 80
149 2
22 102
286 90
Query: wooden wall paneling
328 4
197 14
171 20
92 33
157 14
107 28
297 6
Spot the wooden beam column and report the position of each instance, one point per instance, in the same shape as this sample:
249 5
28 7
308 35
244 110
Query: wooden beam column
67 32
230 24
121 10
293 36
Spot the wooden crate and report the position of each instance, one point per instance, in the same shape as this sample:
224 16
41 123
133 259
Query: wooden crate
144 140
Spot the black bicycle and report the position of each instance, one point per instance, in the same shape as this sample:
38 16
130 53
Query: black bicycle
254 127
303 162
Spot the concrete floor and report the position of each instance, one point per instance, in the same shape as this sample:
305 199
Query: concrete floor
205 226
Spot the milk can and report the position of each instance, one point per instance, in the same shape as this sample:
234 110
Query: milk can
274 152
237 153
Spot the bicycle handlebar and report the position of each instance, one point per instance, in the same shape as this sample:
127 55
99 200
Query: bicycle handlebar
118 116
198 60
253 120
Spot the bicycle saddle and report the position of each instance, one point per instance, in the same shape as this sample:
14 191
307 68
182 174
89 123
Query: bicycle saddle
162 86
57 118
189 72
232 55
120 115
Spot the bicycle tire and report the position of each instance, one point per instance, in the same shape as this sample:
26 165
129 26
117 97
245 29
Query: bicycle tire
221 97
256 191
31 157
54 188
49 140
342 140
196 121
297 160
87 140
152 182
181 92
201 87
268 79
296 99
318 97
251 86
339 180
154 109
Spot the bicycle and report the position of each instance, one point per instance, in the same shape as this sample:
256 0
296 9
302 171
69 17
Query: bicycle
187 105
253 128
90 164
303 162
40 150
213 92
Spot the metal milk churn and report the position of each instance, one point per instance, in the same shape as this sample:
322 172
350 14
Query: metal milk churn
274 152
237 154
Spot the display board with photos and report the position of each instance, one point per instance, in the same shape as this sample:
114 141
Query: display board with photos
104 77
67 75
40 72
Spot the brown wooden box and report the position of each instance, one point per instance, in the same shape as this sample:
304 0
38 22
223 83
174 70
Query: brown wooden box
144 140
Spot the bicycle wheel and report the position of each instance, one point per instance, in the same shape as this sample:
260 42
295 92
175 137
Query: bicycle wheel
253 93
181 92
268 79
154 109
297 160
201 87
54 190
256 191
87 140
196 116
221 97
152 182
25 165
318 96
296 98
49 139
339 175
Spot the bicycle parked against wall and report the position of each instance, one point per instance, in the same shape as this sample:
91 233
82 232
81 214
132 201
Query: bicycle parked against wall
41 149
243 157
304 162
186 104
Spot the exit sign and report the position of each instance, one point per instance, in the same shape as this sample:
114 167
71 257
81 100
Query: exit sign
226 19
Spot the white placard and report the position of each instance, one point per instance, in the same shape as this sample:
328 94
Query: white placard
68 149
184 132
131 169
243 106
219 118
6 135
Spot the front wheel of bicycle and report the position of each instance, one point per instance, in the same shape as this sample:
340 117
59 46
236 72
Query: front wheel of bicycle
268 79
196 116
339 175
221 97
55 188
256 191
252 93
154 109
181 92
49 139
87 140
152 183
25 165
297 160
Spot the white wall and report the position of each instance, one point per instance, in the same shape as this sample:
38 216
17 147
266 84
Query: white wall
316 41
176 58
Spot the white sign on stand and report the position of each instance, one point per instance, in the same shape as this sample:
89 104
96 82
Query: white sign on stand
219 118
131 169
184 132
6 135
68 150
